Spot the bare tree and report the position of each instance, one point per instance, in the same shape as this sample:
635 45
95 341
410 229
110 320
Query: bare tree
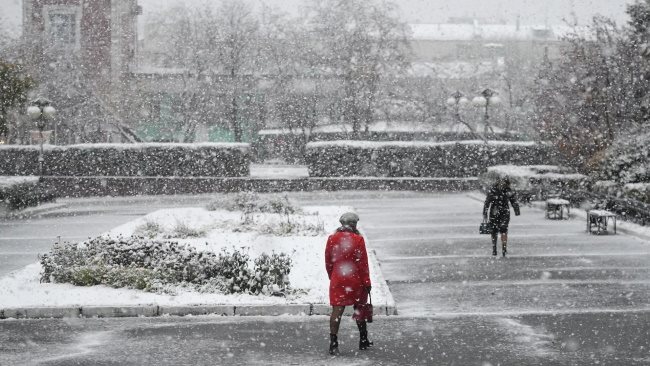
360 42
286 56
216 49
237 36
585 100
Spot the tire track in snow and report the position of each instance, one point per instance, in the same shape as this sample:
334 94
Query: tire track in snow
529 340
85 344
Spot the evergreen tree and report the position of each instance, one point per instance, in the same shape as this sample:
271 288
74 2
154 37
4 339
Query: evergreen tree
14 85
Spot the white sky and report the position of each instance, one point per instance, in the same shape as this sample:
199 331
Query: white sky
439 11
532 12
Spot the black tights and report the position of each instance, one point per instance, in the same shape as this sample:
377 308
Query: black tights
335 321
504 239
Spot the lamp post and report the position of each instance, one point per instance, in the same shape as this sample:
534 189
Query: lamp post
456 100
40 111
487 98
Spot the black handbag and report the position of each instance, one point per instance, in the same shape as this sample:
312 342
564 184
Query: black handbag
486 228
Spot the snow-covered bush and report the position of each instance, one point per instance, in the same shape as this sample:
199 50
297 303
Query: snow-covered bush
251 202
118 160
637 191
291 226
25 194
268 214
271 274
236 271
626 161
183 231
624 171
157 266
419 158
150 229
634 191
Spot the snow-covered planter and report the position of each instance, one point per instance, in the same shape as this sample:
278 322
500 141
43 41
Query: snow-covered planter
227 265
21 192
535 181
128 160
419 158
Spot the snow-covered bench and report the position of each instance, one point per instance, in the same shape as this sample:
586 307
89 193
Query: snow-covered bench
597 221
556 207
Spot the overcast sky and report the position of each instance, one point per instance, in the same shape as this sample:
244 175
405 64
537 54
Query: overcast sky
532 12
438 11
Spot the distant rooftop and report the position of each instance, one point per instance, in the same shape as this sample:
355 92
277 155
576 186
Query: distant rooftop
491 32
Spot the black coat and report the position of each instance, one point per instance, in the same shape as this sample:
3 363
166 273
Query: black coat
496 203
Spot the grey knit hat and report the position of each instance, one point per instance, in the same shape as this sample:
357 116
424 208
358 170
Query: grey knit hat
349 218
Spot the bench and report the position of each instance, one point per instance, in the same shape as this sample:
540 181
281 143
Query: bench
555 208
597 221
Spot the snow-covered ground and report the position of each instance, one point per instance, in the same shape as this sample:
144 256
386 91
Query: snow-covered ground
23 289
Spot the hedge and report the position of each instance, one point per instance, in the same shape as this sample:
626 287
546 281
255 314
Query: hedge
147 159
281 144
419 158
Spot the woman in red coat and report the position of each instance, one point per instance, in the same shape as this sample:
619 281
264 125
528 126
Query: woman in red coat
346 262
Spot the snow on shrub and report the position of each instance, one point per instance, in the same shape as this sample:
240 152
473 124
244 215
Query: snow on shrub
637 191
21 192
118 160
251 202
150 229
160 266
634 191
626 161
268 214
419 158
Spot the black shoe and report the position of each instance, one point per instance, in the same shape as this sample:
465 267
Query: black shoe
504 252
494 250
334 345
365 344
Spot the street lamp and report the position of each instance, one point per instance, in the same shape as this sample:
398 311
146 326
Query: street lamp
40 111
487 98
456 100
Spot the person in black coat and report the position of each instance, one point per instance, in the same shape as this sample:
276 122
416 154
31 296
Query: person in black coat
497 204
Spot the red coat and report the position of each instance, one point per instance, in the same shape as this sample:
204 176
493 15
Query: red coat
346 262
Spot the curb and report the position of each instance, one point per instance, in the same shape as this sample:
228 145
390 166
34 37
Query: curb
156 310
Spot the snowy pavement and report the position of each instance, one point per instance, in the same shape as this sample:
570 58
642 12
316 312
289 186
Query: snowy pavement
561 297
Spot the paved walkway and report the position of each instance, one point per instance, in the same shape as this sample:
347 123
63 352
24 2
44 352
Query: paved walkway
562 297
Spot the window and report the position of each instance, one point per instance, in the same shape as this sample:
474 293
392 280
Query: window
62 25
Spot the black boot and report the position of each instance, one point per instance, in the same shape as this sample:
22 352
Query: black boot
334 344
505 251
494 250
364 343
494 243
